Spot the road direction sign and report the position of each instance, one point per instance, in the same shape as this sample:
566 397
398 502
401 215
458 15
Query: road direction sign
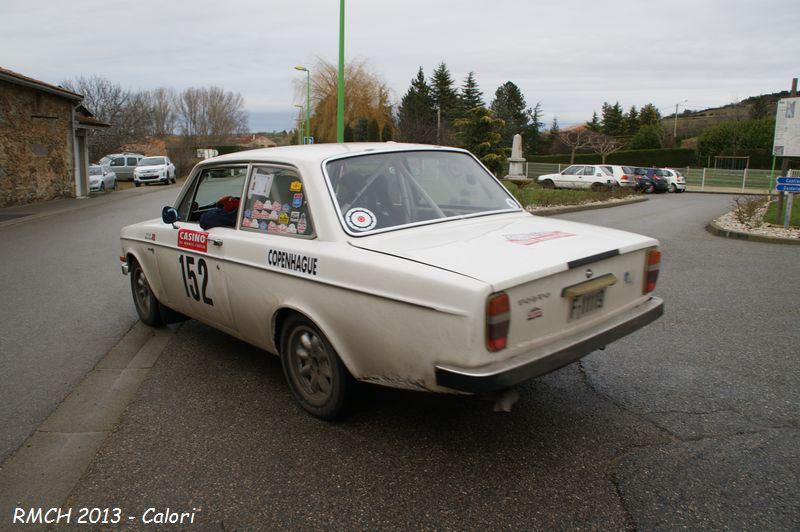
788 188
789 180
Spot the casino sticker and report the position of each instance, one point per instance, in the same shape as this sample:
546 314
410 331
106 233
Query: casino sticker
296 186
283 219
297 200
360 219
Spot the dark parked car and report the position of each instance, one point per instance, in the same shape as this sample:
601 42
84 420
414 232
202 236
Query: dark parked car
649 181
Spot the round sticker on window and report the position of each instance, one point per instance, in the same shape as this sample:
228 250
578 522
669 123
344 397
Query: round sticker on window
360 219
511 203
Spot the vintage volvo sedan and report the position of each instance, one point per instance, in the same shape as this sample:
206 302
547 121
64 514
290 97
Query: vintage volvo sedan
404 265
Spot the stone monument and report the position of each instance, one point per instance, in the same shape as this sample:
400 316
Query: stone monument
516 169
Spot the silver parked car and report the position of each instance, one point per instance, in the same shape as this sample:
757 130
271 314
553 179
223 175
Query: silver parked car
122 164
101 178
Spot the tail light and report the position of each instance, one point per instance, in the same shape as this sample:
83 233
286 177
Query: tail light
652 265
623 178
498 319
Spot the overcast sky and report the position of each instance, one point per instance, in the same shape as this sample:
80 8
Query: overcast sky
570 56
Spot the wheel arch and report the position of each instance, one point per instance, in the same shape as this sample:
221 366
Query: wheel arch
284 313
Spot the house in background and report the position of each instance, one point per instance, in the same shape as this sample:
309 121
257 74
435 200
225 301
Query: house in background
43 141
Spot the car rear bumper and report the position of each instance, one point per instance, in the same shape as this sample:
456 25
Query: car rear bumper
507 373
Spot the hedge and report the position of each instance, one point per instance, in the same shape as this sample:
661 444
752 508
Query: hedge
672 157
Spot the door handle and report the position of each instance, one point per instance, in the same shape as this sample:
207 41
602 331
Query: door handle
215 240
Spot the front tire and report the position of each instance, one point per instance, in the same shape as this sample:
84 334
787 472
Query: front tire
548 183
316 376
144 300
137 183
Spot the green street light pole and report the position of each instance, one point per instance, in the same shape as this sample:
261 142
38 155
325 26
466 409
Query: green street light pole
340 99
308 98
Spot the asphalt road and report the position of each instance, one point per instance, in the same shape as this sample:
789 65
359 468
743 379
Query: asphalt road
691 422
65 302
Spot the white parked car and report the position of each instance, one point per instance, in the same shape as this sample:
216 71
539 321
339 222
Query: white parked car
154 170
594 177
101 178
677 183
397 264
623 175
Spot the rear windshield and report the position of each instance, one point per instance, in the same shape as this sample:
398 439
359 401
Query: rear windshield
387 190
151 161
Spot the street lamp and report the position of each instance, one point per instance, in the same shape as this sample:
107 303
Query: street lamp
308 99
299 124
675 124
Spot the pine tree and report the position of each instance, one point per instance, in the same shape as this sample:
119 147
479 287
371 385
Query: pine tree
417 113
471 96
554 127
479 132
509 105
446 100
612 123
649 115
594 125
631 121
532 133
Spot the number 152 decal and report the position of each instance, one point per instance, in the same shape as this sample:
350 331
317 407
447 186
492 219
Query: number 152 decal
195 289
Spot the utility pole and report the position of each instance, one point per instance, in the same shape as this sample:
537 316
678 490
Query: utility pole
675 124
785 166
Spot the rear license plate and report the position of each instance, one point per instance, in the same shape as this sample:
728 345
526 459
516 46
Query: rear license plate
580 306
587 297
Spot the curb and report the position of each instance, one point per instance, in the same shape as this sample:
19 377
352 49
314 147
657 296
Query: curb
549 211
714 228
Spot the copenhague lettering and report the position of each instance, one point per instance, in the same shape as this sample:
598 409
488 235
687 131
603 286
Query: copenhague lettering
292 261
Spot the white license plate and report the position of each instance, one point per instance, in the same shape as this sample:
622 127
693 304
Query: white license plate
585 304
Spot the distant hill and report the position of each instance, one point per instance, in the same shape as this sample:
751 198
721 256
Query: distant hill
693 123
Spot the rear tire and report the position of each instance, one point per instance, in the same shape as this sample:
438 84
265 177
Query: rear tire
649 189
147 306
672 188
316 376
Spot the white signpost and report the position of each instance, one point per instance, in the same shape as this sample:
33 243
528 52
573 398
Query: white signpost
787 128
787 143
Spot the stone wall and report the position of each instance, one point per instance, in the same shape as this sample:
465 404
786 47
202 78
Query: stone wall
36 146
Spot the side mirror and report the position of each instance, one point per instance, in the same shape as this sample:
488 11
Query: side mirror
169 215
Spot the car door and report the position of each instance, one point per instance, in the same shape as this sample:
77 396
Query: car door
570 177
192 260
274 252
585 178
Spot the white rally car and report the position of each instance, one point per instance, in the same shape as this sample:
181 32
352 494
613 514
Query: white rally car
403 265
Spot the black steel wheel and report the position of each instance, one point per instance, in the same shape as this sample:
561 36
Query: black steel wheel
144 300
315 374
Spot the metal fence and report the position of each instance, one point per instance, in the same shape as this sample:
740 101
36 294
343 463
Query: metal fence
745 181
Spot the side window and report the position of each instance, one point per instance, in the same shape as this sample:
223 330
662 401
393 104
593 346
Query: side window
211 185
573 170
132 161
118 161
276 202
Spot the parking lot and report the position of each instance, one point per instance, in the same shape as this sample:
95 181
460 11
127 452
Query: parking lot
690 422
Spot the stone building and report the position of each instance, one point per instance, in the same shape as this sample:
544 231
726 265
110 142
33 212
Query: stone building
43 141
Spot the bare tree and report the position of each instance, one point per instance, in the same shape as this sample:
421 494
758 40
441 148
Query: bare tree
109 102
575 139
211 112
163 115
605 145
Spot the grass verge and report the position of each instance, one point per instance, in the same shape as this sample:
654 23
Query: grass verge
534 195
771 215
